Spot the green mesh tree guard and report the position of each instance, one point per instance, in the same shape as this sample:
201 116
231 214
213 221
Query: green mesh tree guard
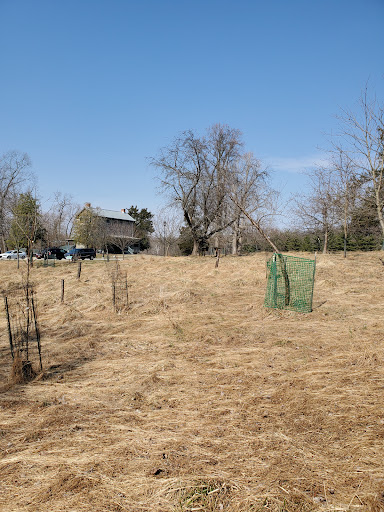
290 283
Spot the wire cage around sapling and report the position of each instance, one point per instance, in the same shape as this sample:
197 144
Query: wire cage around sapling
290 283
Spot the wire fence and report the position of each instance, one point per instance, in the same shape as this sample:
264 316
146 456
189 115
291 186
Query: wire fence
290 283
23 330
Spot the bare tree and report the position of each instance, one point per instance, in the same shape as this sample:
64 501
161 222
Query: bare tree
194 173
249 190
346 185
15 171
121 234
319 209
361 139
59 219
167 225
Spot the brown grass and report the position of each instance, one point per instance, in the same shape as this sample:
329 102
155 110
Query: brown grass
197 397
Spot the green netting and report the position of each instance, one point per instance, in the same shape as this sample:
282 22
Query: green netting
290 283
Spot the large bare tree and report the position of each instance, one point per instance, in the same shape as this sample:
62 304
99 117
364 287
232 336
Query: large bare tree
195 174
15 172
361 139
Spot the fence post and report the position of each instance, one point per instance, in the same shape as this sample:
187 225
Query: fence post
217 258
114 295
62 290
79 270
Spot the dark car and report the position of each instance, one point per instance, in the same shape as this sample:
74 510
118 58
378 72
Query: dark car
80 254
52 253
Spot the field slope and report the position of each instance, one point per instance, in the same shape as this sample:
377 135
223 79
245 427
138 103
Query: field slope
197 397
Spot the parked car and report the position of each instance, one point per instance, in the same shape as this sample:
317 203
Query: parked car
52 253
80 254
12 255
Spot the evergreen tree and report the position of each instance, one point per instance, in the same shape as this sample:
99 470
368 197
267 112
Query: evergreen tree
144 225
185 241
26 226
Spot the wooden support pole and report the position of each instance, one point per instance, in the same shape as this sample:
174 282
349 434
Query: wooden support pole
9 326
217 258
28 317
79 270
114 295
126 289
37 330
62 290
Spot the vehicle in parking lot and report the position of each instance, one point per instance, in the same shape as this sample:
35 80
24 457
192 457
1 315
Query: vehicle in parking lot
80 254
52 253
12 255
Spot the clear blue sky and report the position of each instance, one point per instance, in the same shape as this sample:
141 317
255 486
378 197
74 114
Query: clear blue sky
90 89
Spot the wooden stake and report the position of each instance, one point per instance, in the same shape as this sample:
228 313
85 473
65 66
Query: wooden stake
114 295
28 317
217 258
37 331
79 270
9 326
126 289
62 290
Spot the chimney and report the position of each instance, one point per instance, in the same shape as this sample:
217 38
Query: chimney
87 205
123 210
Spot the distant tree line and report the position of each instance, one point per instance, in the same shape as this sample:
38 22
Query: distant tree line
23 224
218 188
217 193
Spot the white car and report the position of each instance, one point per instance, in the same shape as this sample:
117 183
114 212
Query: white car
12 255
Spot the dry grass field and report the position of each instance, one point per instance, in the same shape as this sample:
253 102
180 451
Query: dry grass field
197 398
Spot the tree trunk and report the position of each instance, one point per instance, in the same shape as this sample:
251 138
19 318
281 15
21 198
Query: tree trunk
195 250
380 214
239 242
3 249
325 248
236 241
345 237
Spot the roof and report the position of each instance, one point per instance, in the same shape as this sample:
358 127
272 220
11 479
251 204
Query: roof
111 214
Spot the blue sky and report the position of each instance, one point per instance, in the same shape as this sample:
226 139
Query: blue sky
90 89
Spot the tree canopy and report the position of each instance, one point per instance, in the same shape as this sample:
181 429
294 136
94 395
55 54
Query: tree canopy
199 173
26 225
144 225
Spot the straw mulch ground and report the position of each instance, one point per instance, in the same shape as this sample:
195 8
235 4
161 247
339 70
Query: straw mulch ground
197 397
